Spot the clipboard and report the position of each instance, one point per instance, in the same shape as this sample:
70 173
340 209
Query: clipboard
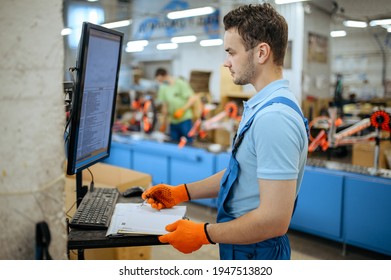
139 218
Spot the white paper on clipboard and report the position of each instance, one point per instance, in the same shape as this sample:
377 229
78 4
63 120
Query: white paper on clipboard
138 218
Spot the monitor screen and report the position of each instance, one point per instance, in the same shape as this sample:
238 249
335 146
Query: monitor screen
93 102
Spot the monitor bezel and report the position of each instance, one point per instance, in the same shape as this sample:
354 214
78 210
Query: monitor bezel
72 167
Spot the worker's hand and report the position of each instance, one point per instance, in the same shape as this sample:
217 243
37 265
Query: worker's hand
179 113
186 236
166 196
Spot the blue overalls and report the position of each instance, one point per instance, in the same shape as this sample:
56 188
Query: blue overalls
277 248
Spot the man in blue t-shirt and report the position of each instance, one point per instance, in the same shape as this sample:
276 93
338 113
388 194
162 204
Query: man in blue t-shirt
258 189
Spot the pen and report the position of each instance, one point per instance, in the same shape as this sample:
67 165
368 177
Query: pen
144 203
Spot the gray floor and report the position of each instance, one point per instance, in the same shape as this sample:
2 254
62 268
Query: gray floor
304 246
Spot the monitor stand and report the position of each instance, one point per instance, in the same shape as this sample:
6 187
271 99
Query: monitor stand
80 189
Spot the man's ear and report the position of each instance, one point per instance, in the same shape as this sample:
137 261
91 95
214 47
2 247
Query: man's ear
263 52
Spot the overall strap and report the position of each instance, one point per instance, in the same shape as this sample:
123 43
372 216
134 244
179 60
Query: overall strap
279 99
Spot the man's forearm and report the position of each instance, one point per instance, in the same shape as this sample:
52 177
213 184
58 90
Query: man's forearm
190 102
206 188
247 229
270 219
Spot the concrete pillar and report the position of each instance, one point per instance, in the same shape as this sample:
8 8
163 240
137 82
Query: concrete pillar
32 122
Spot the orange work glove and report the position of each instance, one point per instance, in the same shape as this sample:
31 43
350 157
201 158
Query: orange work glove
166 196
163 128
186 236
179 113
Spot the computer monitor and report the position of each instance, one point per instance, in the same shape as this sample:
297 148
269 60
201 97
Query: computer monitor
94 98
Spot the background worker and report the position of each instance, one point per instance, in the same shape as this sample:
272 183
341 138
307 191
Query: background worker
257 191
177 99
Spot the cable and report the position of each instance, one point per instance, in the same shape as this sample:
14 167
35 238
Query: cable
91 189
70 208
92 180
92 175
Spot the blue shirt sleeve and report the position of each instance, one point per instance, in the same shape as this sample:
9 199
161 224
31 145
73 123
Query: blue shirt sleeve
278 143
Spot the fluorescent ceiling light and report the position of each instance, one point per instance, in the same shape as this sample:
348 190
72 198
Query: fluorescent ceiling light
117 24
134 48
279 2
388 27
66 31
380 22
94 16
167 46
184 39
338 33
142 43
355 23
211 42
191 13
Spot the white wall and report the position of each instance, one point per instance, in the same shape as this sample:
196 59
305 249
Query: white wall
32 122
203 59
316 74
359 56
294 15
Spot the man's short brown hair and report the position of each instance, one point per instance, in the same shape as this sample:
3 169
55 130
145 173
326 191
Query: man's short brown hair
161 72
257 24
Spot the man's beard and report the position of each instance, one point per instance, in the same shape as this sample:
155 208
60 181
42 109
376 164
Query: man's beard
247 75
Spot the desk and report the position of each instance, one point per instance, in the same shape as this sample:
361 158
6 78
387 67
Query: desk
94 243
94 239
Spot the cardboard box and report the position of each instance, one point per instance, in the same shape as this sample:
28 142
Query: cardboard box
114 176
222 137
199 81
227 86
126 253
363 154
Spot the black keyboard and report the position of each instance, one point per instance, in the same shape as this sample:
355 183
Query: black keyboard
96 209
